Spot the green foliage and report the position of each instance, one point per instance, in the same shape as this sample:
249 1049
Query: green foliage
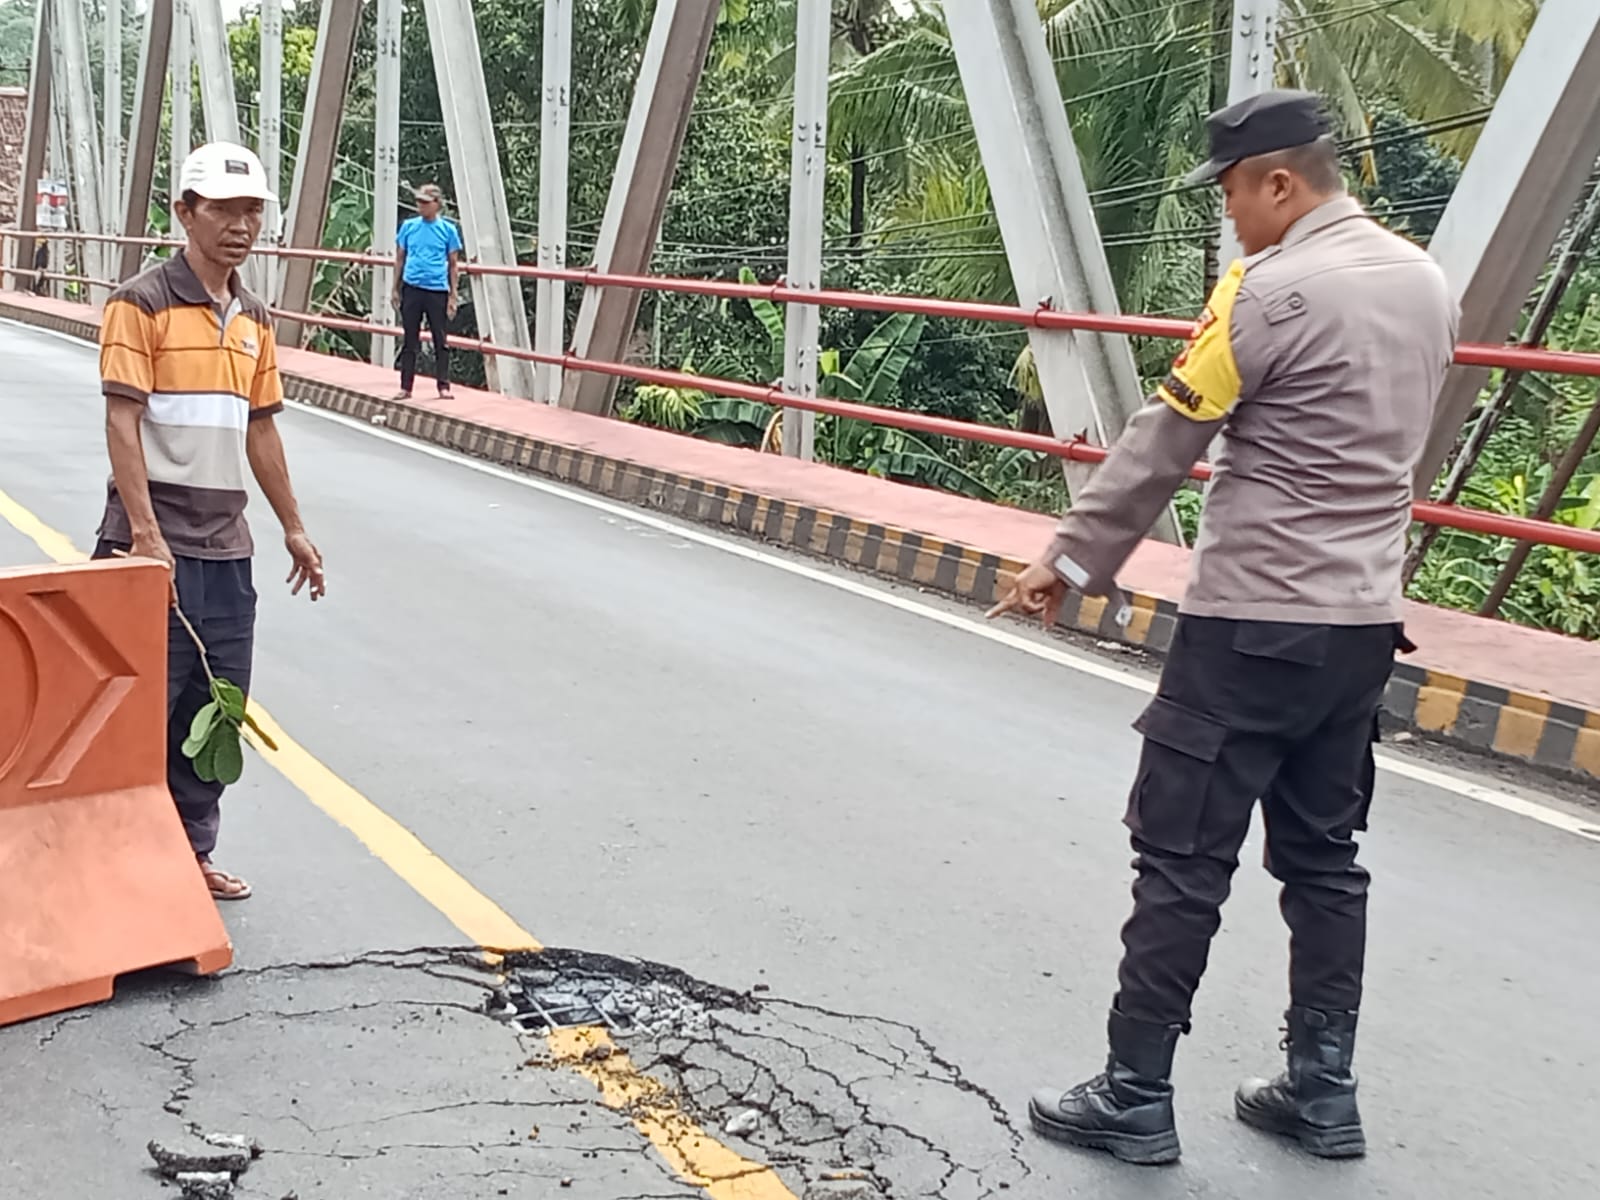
213 743
909 209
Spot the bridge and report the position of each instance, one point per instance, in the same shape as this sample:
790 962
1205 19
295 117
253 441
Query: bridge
722 734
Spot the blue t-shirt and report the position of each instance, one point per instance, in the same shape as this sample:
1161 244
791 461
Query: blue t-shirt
428 245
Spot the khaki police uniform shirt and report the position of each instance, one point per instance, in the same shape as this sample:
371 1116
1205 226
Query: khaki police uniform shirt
1319 360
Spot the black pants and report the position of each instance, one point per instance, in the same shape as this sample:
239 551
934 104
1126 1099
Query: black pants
1245 711
219 598
415 303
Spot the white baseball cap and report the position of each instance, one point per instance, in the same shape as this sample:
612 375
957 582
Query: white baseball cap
224 171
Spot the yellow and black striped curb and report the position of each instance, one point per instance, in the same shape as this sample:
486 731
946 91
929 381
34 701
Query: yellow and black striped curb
1496 720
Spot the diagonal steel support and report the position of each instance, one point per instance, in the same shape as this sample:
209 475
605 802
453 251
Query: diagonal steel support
1090 382
480 188
550 296
35 139
669 74
337 28
145 134
1525 175
217 99
71 49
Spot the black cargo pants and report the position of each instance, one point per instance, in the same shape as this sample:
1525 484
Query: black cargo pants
1250 710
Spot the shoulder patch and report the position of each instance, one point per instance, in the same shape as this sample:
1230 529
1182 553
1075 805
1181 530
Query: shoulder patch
1204 382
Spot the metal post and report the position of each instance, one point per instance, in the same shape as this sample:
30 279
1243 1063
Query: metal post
111 101
1251 68
808 169
386 171
1090 382
669 74
83 129
269 133
36 138
146 132
480 189
182 56
319 148
1528 170
217 99
550 296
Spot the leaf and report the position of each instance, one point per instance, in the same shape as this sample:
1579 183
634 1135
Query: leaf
229 696
228 757
770 316
205 760
200 728
266 738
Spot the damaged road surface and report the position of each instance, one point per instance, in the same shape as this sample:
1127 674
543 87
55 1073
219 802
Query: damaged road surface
429 1074
640 744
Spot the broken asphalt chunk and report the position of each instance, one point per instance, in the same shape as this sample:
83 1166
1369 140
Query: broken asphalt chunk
172 1163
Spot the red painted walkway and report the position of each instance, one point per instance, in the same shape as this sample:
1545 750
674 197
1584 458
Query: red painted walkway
1492 652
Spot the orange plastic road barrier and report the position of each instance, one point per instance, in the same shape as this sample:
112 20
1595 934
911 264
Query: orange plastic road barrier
96 875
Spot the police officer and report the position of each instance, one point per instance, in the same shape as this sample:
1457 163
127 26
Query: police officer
1318 359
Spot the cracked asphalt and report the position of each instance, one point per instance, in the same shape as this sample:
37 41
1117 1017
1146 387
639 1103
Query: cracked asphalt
901 841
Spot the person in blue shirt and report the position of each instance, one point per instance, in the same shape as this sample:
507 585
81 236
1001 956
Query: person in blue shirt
427 273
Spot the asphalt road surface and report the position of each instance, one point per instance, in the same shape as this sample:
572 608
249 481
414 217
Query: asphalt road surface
640 744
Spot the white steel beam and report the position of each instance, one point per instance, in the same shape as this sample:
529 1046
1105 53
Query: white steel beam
669 74
269 132
386 170
808 171
1052 240
182 66
1252 61
145 135
550 296
498 305
1525 175
314 161
111 103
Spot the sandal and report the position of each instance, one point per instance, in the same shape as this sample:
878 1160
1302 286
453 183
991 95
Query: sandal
445 393
222 885
401 397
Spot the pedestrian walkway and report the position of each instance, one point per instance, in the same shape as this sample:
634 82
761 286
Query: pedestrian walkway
1490 685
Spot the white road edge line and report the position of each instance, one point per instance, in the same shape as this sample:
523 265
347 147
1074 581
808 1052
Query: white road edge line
1569 822
1417 772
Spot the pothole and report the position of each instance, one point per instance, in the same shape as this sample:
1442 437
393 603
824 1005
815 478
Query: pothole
828 1099
562 989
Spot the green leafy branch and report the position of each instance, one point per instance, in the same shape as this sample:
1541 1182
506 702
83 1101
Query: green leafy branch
214 737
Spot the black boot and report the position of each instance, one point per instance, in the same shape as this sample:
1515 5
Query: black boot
1128 1110
1314 1101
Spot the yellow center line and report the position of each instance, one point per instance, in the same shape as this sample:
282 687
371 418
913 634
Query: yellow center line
653 1108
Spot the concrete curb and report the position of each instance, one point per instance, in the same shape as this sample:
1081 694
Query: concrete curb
1535 730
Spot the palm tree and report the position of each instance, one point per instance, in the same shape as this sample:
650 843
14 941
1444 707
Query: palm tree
1139 77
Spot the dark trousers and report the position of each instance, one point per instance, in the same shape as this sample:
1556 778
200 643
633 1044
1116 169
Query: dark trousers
219 598
415 303
1250 710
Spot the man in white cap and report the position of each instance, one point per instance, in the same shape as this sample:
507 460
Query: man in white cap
189 370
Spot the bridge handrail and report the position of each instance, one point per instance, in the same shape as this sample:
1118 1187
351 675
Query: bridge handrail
1450 516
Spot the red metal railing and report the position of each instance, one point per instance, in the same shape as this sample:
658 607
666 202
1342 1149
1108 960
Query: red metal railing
1077 450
